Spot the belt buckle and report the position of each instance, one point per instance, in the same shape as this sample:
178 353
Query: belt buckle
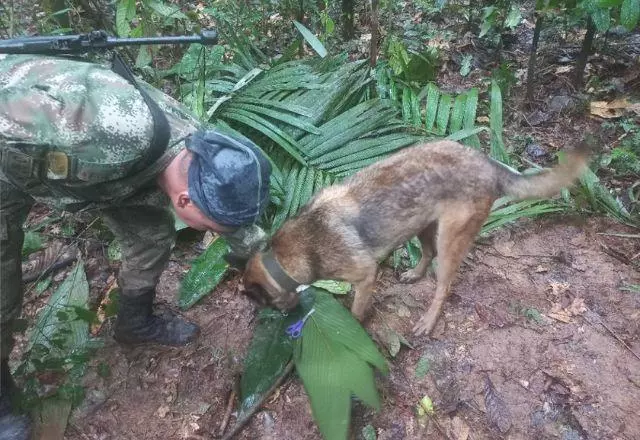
57 164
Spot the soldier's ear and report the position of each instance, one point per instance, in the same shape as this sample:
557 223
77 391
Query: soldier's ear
183 200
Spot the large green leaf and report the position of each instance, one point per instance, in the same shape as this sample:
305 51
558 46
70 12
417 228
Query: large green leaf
59 316
630 13
503 213
334 359
206 272
340 327
268 354
123 16
322 368
497 150
311 39
433 95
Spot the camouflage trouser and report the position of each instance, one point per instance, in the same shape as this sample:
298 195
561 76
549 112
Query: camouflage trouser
146 235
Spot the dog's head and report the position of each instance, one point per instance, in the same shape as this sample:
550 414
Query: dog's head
263 289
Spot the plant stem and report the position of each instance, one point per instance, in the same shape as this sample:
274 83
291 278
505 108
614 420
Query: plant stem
532 58
243 421
373 52
581 62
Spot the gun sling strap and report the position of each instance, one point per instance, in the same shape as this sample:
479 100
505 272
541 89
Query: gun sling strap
161 130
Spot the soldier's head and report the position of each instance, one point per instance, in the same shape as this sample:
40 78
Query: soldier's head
219 182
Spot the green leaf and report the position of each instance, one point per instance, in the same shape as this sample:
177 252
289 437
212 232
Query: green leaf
497 150
269 352
114 253
32 243
369 433
73 292
513 18
457 115
206 272
43 285
341 327
432 106
86 315
311 39
122 19
630 13
601 18
465 133
335 287
406 104
502 214
465 66
167 10
416 118
444 111
145 56
423 366
323 369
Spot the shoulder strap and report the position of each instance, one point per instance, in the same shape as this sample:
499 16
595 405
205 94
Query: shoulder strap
161 129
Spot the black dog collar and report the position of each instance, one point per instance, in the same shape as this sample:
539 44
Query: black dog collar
278 273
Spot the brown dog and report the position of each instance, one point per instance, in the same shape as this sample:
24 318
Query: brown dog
441 192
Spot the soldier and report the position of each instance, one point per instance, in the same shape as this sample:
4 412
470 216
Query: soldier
78 136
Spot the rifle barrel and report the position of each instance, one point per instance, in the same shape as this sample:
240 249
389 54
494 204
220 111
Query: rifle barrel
51 45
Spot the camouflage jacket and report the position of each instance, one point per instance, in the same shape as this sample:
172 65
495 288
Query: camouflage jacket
92 115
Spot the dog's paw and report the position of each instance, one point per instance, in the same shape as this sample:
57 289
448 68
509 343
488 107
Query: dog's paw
424 326
410 276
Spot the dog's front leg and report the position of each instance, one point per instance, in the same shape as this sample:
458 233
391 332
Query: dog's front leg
362 298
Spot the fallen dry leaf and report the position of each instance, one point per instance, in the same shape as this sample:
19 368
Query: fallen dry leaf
558 288
106 300
564 314
610 110
460 429
497 411
564 69
162 411
484 119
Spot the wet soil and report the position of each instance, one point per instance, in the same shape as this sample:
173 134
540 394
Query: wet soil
536 309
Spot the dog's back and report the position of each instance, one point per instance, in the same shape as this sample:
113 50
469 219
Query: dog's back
394 199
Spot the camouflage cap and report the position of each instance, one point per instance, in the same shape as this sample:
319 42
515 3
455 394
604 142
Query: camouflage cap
228 178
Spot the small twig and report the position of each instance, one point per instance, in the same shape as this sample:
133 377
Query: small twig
232 398
439 427
243 421
613 234
618 338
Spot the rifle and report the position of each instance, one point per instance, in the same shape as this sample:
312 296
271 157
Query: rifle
94 40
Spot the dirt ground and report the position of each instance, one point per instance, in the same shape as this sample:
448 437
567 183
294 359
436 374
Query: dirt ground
535 309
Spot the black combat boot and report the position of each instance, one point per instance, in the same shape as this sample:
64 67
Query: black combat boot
136 323
13 424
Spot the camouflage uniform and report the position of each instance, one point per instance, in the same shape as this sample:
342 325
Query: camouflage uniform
100 121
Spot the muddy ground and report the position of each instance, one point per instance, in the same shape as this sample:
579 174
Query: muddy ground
535 309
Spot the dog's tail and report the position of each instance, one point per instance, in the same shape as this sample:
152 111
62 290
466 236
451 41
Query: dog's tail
548 182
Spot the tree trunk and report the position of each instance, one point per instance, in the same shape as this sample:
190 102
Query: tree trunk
373 52
301 21
348 31
581 62
532 58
